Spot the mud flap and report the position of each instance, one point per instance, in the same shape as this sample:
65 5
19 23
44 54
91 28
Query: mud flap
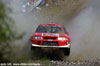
36 53
66 51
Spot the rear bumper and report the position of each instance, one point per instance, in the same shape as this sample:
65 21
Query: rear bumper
65 46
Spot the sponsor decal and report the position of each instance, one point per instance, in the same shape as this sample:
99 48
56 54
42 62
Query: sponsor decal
51 34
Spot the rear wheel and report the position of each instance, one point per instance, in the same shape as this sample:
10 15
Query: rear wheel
66 51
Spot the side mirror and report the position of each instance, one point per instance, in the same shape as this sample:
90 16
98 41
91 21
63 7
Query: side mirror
67 33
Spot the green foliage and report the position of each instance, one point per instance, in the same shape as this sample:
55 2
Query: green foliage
6 24
7 33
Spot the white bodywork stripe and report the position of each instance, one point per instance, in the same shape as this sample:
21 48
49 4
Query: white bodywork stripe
66 46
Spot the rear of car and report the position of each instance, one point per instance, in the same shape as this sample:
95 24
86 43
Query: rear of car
51 36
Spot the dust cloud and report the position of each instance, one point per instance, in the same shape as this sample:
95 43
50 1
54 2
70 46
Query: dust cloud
26 23
84 28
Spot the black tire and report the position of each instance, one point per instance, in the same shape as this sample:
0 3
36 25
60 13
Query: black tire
36 53
32 52
66 51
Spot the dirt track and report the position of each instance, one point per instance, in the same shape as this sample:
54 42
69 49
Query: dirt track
75 63
83 25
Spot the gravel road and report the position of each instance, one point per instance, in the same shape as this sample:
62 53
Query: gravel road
84 31
75 63
71 63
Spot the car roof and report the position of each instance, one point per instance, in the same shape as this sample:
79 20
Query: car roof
52 24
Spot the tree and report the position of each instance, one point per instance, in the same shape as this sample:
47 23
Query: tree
7 34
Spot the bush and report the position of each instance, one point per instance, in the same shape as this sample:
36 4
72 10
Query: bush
7 34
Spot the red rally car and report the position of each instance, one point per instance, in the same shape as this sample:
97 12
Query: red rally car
51 35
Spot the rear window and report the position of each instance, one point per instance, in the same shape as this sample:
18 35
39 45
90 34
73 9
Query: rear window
50 29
